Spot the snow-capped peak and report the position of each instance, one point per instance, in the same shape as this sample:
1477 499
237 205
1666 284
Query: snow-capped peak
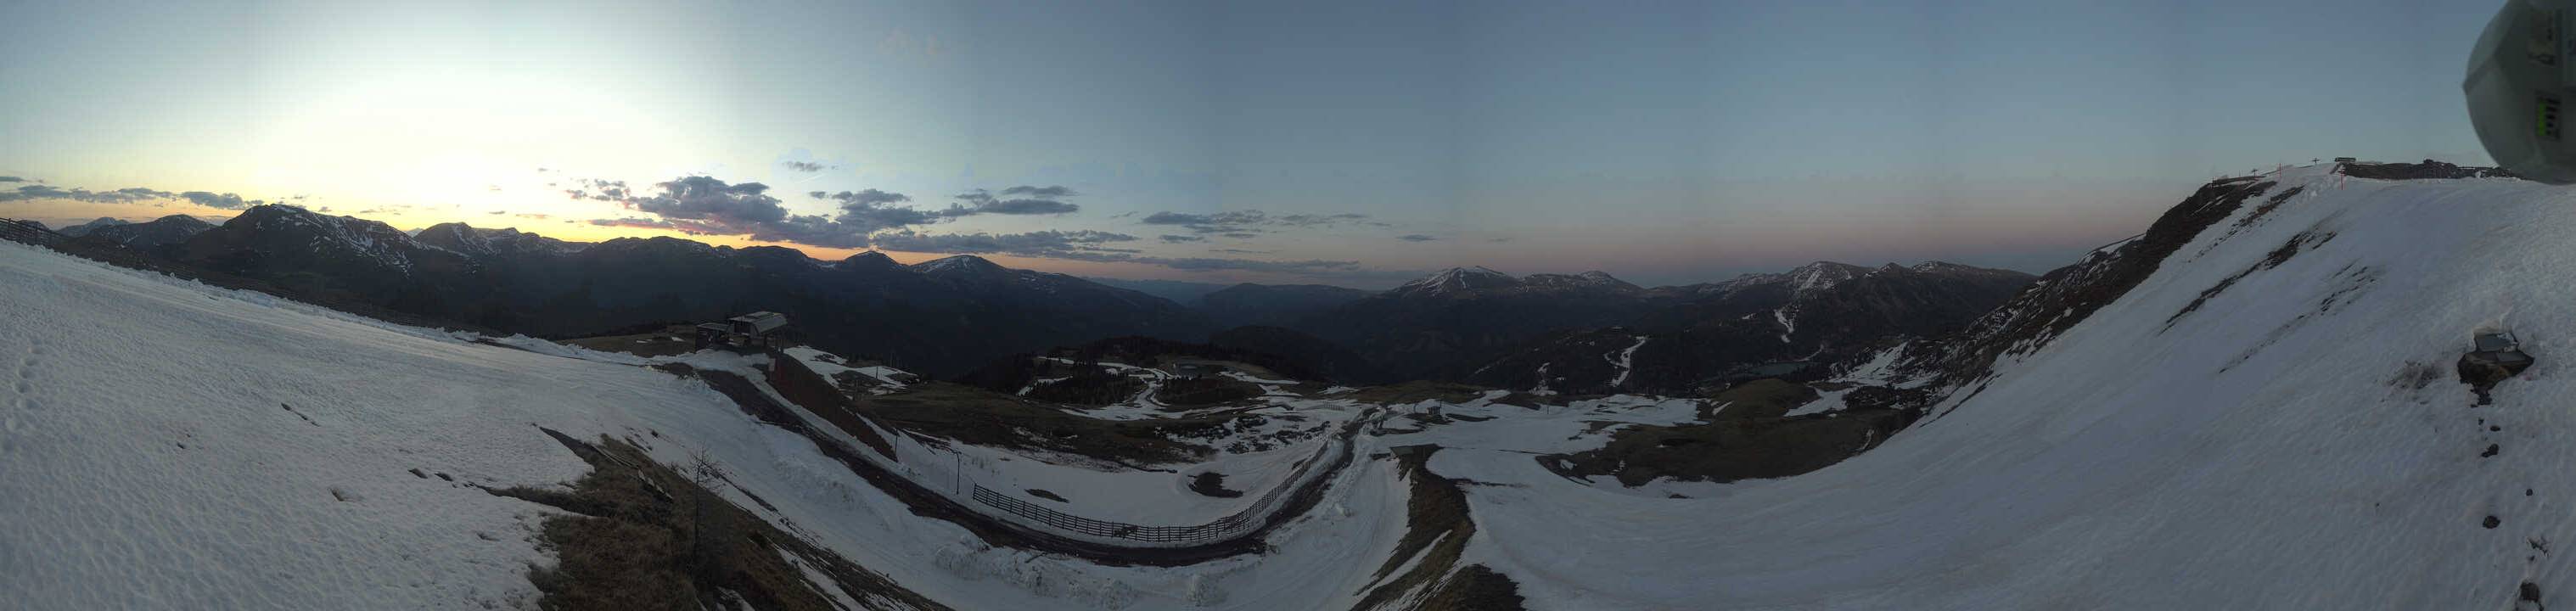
1458 279
1941 267
1587 280
465 239
956 265
1821 275
371 239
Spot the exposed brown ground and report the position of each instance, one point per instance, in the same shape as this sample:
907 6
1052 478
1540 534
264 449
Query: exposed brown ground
641 535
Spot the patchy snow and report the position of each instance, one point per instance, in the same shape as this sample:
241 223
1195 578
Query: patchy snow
1455 279
1788 323
956 263
831 366
1828 401
1819 276
1624 362
1035 383
1258 380
1882 370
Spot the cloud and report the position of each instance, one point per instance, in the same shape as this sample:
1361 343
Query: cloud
498 212
1309 220
704 198
129 195
707 206
119 196
865 197
1055 191
533 215
1220 222
1038 200
1021 206
598 190
12 179
1050 243
1239 251
815 230
702 205
1415 237
805 166
870 210
683 227
135 193
1247 223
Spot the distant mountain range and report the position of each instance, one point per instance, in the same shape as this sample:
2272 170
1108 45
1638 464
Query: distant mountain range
939 317
1593 333
1179 291
84 228
1587 332
151 235
1274 304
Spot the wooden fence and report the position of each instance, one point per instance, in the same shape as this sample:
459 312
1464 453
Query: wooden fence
1251 518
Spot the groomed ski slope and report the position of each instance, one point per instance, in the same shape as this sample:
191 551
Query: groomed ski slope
2262 452
2259 454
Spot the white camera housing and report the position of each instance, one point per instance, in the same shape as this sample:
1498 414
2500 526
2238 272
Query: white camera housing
2518 91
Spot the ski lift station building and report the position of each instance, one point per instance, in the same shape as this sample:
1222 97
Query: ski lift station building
755 327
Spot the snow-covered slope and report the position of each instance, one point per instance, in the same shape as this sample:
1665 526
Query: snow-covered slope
164 444
167 445
2267 450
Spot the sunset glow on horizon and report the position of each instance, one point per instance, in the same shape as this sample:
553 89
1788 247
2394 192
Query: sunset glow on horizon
1669 144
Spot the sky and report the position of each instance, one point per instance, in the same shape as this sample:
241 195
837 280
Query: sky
1355 143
